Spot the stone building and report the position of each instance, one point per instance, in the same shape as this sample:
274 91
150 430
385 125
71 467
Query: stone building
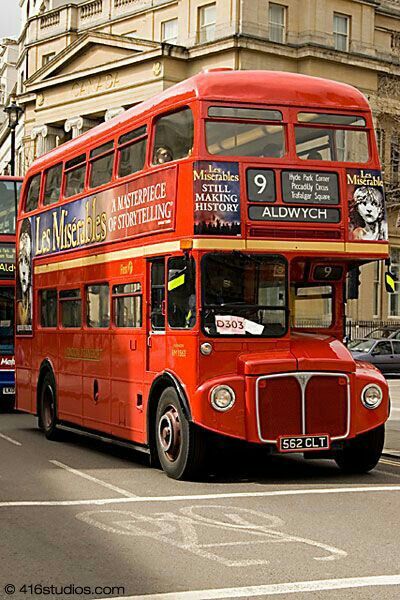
83 61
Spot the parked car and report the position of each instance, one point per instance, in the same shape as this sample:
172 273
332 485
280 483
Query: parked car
387 332
383 353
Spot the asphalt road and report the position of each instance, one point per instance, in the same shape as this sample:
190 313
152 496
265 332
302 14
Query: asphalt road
81 513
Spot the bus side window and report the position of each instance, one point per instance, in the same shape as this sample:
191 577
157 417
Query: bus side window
132 151
53 185
32 196
101 165
173 136
98 305
70 308
181 293
75 171
127 305
157 294
48 308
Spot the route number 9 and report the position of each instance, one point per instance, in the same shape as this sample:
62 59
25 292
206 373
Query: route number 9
327 273
261 182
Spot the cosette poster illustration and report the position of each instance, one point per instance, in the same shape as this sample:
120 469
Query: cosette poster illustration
24 280
367 214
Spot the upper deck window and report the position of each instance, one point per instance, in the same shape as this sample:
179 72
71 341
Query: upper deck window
255 114
9 195
132 151
343 145
173 136
53 185
32 196
331 119
101 164
234 138
75 171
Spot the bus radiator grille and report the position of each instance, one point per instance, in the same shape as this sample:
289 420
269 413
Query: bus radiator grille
280 399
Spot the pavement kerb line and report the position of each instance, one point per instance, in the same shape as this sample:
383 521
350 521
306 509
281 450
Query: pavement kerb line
231 495
273 589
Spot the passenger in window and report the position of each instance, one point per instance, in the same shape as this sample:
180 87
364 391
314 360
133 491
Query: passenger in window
162 155
314 155
272 151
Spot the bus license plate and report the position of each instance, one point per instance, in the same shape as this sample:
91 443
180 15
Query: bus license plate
303 443
8 390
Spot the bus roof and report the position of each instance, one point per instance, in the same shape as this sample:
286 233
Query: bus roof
263 87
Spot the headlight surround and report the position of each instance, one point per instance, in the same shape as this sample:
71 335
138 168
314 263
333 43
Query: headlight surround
222 398
371 396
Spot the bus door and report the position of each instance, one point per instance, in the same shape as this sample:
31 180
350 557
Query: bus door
156 341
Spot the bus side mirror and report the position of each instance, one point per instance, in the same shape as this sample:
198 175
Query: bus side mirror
390 283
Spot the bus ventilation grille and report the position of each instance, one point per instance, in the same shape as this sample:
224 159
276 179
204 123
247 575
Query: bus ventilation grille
283 234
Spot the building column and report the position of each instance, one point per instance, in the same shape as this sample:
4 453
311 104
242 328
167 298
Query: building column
46 138
113 112
78 125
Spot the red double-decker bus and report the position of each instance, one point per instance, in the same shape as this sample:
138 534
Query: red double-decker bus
9 195
187 263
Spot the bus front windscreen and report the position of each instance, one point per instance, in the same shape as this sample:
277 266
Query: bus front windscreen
244 294
6 321
9 195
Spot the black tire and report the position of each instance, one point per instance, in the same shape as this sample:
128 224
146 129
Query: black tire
180 444
362 454
48 407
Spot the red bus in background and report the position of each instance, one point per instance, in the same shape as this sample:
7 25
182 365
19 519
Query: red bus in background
9 196
188 264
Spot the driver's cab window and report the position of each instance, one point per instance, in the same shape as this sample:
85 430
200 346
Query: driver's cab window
181 293
173 137
312 306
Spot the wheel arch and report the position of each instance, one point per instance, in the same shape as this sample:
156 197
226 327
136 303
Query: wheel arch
161 383
45 367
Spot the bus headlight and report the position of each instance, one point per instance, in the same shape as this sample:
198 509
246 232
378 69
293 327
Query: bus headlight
371 396
222 397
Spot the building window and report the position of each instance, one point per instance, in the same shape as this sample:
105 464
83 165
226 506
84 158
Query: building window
377 287
395 156
207 17
381 140
394 303
277 23
341 28
169 31
46 58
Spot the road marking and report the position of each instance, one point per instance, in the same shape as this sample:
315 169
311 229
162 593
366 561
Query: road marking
162 499
385 461
8 439
93 479
274 589
185 528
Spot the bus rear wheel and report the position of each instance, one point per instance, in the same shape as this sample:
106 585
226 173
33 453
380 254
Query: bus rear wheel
362 454
180 445
48 407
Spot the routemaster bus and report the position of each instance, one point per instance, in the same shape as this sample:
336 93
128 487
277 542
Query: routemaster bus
9 194
182 269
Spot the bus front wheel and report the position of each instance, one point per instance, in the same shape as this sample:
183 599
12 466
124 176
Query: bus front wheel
362 454
180 445
48 407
